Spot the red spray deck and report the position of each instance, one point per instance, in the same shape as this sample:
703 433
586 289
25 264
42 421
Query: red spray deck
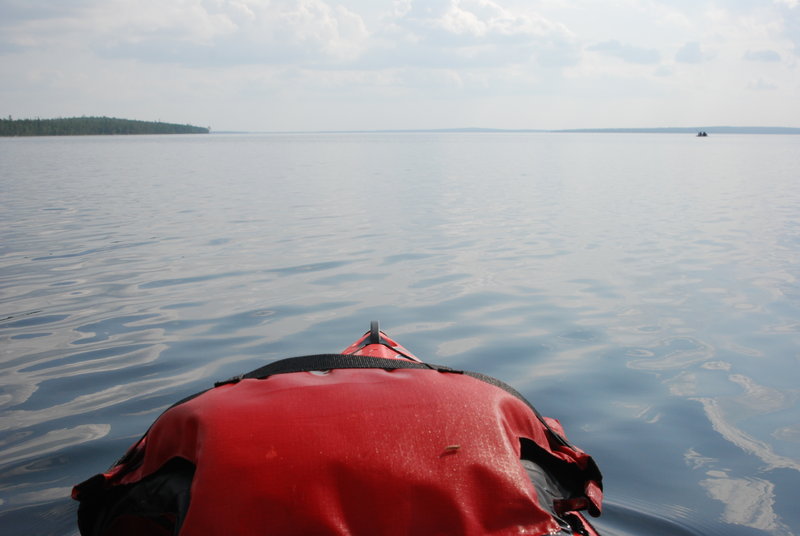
370 441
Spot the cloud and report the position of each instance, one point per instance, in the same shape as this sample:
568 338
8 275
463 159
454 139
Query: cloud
7 48
236 32
39 25
691 53
315 34
473 22
16 11
762 55
627 53
472 33
761 85
791 22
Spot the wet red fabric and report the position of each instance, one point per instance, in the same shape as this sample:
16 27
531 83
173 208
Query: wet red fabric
355 452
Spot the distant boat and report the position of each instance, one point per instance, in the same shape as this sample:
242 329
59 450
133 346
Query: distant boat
702 134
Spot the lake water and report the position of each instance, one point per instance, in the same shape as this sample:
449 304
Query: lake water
643 289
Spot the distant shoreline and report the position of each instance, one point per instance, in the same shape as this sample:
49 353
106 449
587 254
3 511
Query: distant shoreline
91 126
87 126
478 130
689 130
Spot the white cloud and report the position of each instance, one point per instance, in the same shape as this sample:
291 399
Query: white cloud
691 53
476 20
762 55
465 33
229 32
761 85
628 53
195 32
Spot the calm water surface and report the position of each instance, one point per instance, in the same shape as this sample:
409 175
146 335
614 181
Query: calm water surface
641 288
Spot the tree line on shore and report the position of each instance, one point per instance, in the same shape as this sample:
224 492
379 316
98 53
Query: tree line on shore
77 126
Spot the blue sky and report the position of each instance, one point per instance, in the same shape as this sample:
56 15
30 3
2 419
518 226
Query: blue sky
383 64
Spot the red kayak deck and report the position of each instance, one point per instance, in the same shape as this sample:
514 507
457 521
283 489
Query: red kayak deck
371 441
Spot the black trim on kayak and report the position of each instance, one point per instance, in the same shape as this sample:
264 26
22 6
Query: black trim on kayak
342 361
375 336
374 332
570 476
159 501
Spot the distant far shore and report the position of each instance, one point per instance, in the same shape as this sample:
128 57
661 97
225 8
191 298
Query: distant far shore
479 130
88 126
77 126
643 130
692 130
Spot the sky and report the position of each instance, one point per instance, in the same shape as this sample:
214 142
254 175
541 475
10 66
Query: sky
300 65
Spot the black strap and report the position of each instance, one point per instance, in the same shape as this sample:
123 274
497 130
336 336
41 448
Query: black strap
330 362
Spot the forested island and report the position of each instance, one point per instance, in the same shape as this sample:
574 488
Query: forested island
85 126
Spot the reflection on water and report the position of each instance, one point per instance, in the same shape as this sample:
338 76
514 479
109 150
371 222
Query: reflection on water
761 449
673 353
51 441
748 501
642 289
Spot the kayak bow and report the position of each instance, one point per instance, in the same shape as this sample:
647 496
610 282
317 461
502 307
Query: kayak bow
369 441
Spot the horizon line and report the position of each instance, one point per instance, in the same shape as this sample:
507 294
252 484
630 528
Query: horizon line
719 129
